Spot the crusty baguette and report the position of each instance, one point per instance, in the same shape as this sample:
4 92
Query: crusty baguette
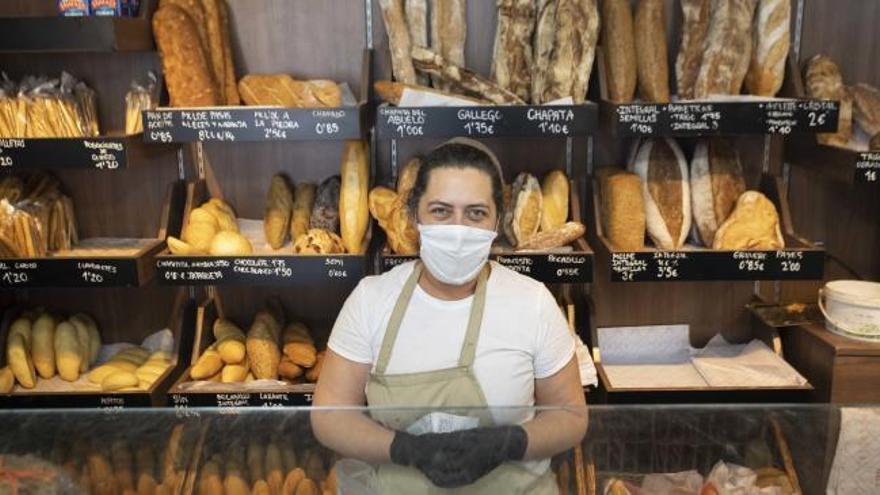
512 54
417 20
651 52
558 237
770 45
618 41
392 92
728 49
448 35
432 63
185 64
564 49
214 27
695 27
398 40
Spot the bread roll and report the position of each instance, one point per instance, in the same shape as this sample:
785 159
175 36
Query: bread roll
398 40
754 224
263 353
694 29
521 222
19 360
512 56
824 81
866 107
618 41
43 345
448 34
623 211
651 52
227 243
185 64
663 170
279 207
313 374
325 212
303 200
208 364
716 184
119 380
83 343
7 380
554 201
728 48
21 326
68 358
564 49
318 242
354 205
770 43
230 341
560 236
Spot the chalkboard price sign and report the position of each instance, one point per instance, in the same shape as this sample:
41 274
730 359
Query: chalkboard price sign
95 153
565 268
235 400
868 168
669 266
69 272
259 270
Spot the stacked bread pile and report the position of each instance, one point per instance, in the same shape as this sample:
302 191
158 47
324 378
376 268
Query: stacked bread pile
40 107
662 196
36 218
265 468
269 351
131 369
859 103
212 229
543 51
726 45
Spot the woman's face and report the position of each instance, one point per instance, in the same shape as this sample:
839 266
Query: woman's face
458 196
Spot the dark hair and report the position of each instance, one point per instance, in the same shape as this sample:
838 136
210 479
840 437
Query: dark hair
457 155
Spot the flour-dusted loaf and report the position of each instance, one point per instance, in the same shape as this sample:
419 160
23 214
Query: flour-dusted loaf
824 81
522 220
564 49
398 40
728 48
770 44
214 28
651 51
417 20
623 211
185 64
694 29
716 184
618 42
432 63
866 107
448 34
512 56
753 225
661 165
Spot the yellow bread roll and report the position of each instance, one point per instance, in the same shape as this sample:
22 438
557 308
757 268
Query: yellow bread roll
225 218
68 358
165 356
292 480
198 215
228 243
7 380
98 374
21 326
313 374
303 200
288 370
43 345
199 235
208 365
554 191
19 360
234 373
261 488
301 354
230 341
94 335
263 353
83 343
279 206
354 207
307 487
119 380
180 248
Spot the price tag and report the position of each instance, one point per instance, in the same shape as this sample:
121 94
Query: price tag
817 115
638 119
479 122
625 267
868 168
552 121
259 270
273 399
233 400
548 268
249 124
96 153
750 261
335 267
111 404
695 118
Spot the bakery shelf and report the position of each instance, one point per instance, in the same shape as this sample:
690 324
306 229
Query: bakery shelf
125 326
108 153
746 115
799 260
841 165
486 121
76 34
183 395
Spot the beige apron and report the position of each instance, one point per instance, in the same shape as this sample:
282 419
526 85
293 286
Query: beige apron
448 389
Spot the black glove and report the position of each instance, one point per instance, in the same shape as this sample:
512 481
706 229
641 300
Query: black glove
459 458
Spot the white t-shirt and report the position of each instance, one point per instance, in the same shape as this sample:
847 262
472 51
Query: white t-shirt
524 335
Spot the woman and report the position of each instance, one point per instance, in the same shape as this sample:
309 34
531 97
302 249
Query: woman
453 331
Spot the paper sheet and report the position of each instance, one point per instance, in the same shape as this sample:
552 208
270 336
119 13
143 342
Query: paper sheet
753 364
856 467
657 344
585 363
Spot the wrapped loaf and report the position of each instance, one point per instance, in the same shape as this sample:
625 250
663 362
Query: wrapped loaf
753 225
623 211
661 165
716 184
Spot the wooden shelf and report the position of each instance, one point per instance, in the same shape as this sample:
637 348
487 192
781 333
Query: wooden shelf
75 34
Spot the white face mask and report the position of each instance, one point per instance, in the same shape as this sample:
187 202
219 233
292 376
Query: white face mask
455 254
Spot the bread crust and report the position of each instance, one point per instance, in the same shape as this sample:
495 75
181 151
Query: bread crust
695 28
651 51
618 41
770 47
666 191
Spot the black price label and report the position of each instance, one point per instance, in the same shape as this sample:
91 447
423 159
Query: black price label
687 118
69 272
235 400
572 268
868 168
639 120
95 153
250 124
111 403
259 270
668 266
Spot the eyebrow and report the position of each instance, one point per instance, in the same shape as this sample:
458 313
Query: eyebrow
449 205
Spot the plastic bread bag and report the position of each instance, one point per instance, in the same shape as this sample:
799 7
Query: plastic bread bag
9 121
142 96
88 109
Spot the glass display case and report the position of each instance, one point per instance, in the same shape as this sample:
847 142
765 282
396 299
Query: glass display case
628 449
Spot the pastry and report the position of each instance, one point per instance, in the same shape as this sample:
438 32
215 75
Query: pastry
185 64
432 63
417 20
354 207
866 107
279 207
303 200
555 196
398 40
319 241
392 92
550 239
694 29
824 81
623 211
564 48
521 222
512 55
754 224
770 45
663 170
618 41
448 34
651 56
325 212
716 184
728 48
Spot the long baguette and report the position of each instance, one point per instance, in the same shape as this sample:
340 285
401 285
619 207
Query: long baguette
432 63
512 59
398 40
555 238
448 34
417 19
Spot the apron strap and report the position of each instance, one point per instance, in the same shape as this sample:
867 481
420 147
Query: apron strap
397 319
469 347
